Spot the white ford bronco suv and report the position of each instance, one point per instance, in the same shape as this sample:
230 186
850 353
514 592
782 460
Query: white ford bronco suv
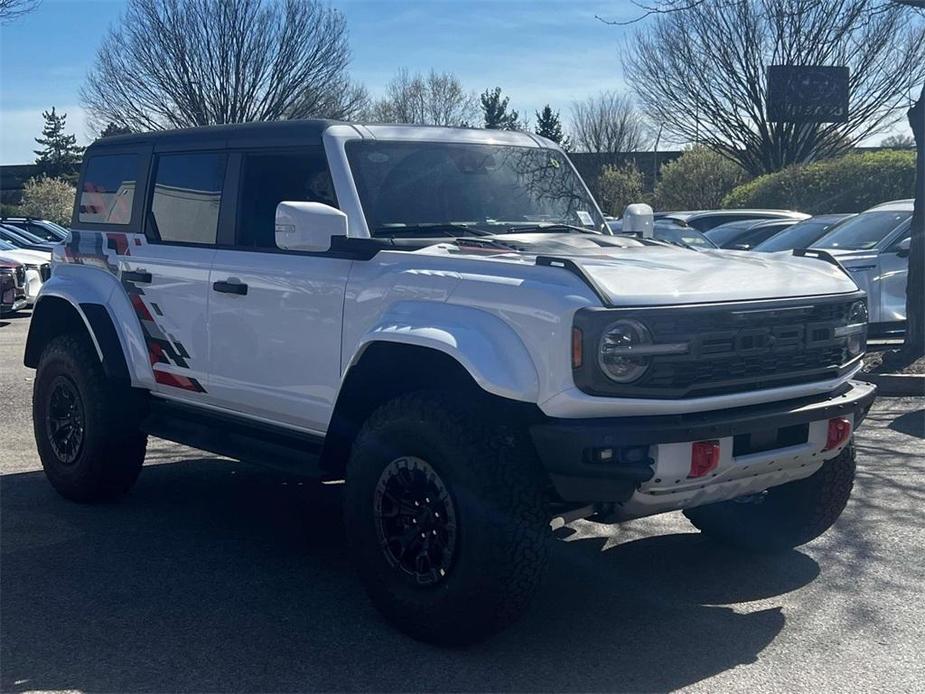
440 318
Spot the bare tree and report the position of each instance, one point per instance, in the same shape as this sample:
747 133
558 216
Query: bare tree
437 98
11 9
703 67
179 63
606 123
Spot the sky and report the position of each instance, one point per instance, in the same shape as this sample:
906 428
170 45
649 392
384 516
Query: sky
544 51
538 52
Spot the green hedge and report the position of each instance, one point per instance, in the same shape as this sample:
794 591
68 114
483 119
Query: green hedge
851 183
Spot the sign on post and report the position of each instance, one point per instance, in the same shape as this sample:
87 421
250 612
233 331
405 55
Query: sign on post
807 94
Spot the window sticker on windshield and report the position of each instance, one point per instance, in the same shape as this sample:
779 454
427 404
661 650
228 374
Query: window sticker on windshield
585 218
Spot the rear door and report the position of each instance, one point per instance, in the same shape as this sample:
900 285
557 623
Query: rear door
275 316
167 272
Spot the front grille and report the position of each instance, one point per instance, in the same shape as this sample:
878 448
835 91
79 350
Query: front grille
45 272
19 275
732 347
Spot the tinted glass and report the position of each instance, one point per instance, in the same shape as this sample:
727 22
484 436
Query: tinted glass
7 246
726 233
801 235
421 184
683 236
108 189
187 197
863 232
270 179
755 236
23 231
13 237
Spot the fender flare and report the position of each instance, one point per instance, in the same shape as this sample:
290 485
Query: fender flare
104 309
487 347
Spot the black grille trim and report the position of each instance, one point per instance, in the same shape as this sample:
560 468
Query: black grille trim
734 347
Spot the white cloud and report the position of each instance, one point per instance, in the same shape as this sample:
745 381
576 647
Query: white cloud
20 127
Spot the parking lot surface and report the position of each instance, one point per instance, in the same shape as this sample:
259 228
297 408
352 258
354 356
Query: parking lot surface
216 576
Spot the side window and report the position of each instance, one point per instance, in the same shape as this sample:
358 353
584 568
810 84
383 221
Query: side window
271 178
187 197
894 247
108 189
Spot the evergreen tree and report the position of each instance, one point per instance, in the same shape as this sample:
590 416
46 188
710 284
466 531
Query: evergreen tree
61 153
495 113
549 126
114 129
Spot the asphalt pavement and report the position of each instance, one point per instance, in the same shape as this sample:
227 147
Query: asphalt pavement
216 576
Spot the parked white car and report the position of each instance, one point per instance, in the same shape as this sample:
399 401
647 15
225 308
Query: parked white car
37 266
441 319
874 248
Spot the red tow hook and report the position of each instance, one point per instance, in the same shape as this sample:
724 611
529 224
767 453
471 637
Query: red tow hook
704 458
839 432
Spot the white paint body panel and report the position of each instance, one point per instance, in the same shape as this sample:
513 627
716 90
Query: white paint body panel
275 352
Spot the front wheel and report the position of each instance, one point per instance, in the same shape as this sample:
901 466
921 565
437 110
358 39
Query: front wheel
86 427
783 517
446 518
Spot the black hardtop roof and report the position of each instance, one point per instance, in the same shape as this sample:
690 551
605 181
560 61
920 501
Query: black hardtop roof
265 133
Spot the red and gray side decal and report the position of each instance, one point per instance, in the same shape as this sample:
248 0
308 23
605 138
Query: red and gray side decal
102 250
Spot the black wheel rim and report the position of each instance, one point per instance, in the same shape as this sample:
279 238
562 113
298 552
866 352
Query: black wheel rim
415 520
64 420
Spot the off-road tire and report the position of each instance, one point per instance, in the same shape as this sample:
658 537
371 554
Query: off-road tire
112 448
496 486
786 516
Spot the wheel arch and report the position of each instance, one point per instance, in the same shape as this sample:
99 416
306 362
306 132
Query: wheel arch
385 369
56 315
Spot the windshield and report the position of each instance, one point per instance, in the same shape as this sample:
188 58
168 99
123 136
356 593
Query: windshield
7 246
863 232
467 187
684 236
800 235
725 233
26 234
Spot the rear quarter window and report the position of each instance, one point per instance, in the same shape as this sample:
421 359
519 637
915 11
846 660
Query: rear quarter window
107 192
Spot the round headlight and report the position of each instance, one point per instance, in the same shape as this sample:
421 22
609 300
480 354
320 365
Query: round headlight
616 351
857 318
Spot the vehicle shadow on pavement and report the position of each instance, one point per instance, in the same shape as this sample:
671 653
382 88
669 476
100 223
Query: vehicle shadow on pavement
214 576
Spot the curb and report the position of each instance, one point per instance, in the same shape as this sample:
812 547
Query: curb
896 384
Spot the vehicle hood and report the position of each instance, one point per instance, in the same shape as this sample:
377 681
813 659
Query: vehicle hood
627 273
28 257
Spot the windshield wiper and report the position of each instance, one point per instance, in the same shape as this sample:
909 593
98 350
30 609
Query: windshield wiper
551 228
450 229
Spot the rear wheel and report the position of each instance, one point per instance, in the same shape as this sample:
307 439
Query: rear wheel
782 517
86 427
446 517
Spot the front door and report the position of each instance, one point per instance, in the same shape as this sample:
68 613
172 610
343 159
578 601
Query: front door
274 316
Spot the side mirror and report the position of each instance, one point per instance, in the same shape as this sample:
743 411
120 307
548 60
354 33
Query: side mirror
308 226
903 249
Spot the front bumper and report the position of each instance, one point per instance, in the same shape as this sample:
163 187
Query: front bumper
648 471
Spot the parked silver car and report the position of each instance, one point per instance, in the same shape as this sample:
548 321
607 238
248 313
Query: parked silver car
874 248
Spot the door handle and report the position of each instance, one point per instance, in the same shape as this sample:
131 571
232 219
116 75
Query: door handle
142 276
230 287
